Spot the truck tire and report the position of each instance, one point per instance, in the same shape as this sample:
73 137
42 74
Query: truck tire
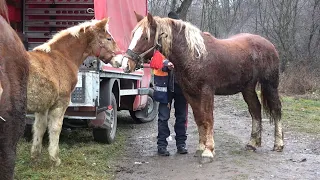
151 109
108 134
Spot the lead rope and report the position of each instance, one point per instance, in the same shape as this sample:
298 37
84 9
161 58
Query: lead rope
156 45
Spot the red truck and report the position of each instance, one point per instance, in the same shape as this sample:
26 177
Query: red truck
100 86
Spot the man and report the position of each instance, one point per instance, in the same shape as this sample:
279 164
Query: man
166 90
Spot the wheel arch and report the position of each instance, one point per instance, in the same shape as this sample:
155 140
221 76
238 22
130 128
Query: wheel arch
107 87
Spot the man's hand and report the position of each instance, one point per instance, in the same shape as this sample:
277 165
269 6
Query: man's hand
170 65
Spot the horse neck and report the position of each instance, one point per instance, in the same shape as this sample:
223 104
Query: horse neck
74 48
178 55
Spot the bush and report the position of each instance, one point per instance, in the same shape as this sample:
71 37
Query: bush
299 80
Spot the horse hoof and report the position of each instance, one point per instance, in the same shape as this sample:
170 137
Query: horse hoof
56 162
35 161
198 153
278 148
207 156
250 148
205 160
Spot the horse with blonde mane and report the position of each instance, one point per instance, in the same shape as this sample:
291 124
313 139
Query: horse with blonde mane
14 68
206 66
53 76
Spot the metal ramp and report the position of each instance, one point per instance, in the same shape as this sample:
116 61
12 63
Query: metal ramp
43 18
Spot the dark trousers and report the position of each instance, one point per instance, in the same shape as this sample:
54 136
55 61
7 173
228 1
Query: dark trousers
180 127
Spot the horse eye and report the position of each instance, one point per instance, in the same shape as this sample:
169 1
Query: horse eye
146 38
109 39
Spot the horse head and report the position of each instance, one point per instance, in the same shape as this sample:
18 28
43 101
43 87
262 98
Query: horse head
102 43
144 42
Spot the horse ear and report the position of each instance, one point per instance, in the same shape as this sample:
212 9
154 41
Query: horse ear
102 24
151 20
138 16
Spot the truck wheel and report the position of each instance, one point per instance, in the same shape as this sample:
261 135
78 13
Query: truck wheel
148 113
108 134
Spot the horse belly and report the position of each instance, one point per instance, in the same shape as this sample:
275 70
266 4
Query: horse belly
227 91
234 86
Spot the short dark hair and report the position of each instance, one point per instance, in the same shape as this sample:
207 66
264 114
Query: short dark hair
173 15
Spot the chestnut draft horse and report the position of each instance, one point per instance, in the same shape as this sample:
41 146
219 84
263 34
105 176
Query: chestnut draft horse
14 69
206 66
53 76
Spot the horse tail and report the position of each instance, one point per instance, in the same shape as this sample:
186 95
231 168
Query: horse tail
4 10
269 87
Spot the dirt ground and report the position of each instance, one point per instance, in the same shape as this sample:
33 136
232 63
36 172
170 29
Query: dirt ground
299 160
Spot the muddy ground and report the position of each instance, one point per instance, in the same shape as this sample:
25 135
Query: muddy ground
299 160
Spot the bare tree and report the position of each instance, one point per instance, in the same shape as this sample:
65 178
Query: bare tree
183 9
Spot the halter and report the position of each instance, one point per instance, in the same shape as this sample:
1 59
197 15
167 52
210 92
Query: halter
139 58
100 48
99 52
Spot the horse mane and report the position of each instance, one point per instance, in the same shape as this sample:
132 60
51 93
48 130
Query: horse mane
193 35
73 31
4 10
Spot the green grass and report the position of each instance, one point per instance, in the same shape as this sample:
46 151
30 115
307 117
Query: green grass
301 114
298 113
81 157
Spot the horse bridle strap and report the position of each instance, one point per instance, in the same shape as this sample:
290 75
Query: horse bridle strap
99 50
138 58
98 53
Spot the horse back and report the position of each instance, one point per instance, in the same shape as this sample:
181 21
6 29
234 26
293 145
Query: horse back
238 60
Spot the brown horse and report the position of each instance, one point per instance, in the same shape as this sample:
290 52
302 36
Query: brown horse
53 75
206 66
14 68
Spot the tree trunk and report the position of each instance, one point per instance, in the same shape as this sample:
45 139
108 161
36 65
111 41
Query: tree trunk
183 9
173 5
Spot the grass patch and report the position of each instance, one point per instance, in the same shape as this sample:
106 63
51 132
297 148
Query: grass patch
301 114
81 158
298 113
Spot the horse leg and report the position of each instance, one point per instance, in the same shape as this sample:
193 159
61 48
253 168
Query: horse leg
272 106
197 115
278 133
202 139
39 128
207 111
254 106
203 113
55 117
